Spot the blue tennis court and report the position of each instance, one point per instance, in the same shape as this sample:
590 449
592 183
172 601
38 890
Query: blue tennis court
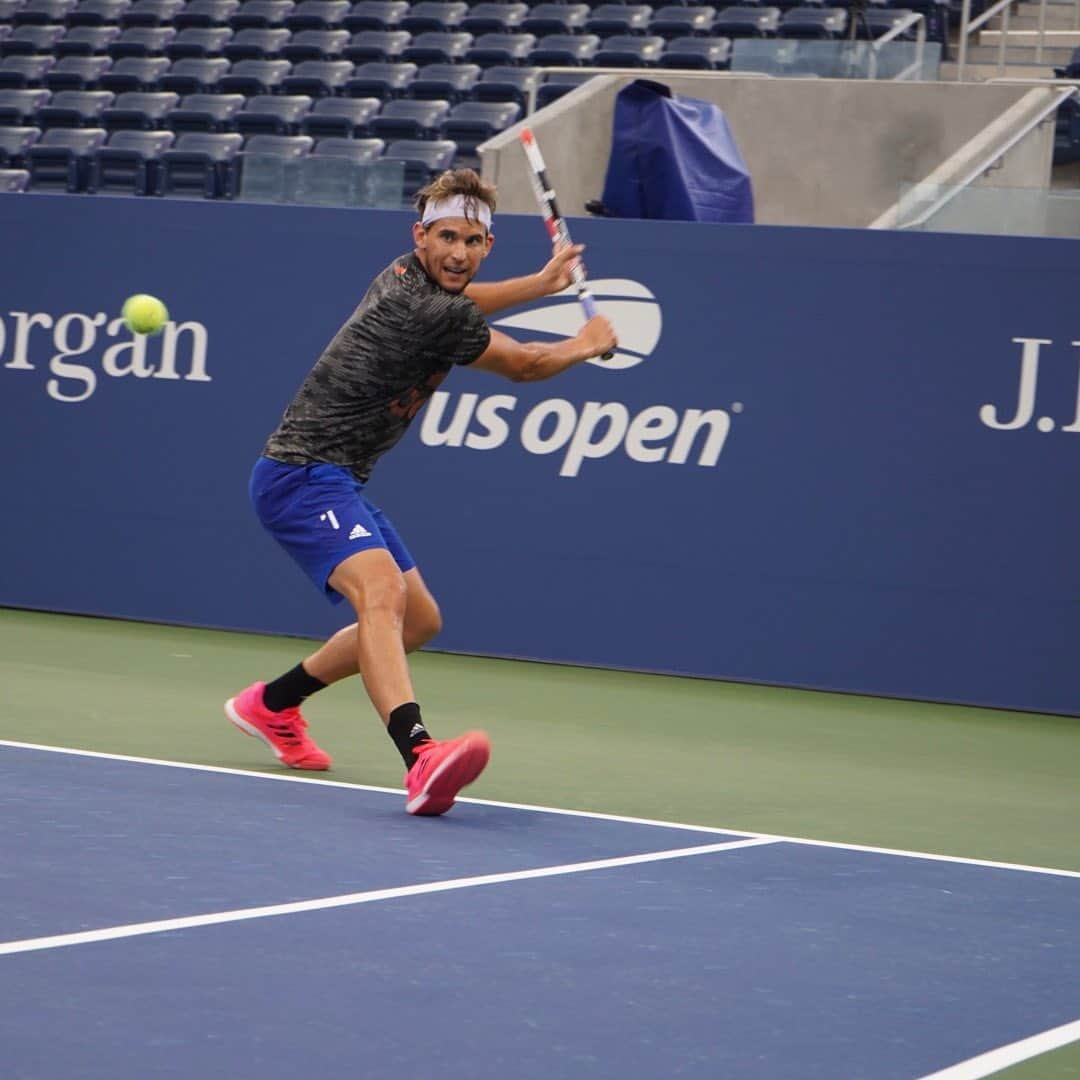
175 921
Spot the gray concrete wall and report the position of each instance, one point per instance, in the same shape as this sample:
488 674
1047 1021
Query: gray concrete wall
828 152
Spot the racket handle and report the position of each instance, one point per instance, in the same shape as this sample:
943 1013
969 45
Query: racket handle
588 303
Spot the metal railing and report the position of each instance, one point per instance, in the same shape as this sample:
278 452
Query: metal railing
968 26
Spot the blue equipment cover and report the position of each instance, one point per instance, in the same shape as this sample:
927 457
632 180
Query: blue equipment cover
674 158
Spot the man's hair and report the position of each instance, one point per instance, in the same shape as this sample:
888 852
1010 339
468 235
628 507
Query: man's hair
464 182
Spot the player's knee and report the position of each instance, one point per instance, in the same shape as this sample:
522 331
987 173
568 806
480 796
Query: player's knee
382 593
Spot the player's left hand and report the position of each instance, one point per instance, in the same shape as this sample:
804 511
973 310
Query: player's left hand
556 273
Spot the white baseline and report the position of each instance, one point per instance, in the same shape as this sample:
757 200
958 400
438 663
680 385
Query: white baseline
995 1060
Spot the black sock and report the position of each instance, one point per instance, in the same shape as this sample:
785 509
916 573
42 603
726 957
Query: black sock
407 730
290 689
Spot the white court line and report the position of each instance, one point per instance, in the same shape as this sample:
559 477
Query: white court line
995 1060
110 933
709 829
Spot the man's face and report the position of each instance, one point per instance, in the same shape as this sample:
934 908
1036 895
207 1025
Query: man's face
451 250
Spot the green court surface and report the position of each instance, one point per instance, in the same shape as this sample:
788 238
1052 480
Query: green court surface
951 780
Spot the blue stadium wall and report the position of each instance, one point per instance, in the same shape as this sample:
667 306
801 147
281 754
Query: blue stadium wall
836 459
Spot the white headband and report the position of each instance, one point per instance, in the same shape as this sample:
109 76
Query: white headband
456 206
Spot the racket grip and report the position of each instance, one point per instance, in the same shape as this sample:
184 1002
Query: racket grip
588 304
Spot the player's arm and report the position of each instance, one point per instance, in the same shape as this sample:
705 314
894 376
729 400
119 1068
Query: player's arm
493 296
532 361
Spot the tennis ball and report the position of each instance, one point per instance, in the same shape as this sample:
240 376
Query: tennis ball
144 314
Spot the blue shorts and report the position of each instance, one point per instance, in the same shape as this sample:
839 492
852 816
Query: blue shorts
319 515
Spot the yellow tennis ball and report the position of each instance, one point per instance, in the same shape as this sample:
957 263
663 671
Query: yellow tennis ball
144 314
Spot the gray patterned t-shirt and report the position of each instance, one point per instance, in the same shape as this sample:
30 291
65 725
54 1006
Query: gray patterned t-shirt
379 371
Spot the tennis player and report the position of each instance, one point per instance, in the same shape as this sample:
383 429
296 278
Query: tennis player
421 317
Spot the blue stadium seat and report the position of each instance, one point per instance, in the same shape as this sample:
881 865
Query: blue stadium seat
7 11
677 20
630 50
137 110
875 22
556 85
19 107
448 82
315 45
199 41
610 19
507 83
422 159
61 159
564 50
86 41
437 15
152 13
489 50
14 144
25 72
381 80
362 151
261 14
206 13
474 122
135 73
44 11
98 13
813 23
546 19
701 53
375 15
31 40
438 47
747 21
5 31
317 15
272 114
279 145
318 78
254 77
376 45
204 113
75 109
128 162
404 118
257 43
77 72
200 163
494 18
339 117
141 41
14 180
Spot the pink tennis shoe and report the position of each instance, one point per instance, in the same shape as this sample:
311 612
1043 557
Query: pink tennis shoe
284 732
442 769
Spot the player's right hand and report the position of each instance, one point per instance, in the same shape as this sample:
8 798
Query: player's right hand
598 336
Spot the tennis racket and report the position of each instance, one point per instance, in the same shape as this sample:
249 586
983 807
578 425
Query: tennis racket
556 225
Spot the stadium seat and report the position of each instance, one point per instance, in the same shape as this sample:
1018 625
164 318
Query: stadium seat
317 15
14 180
437 15
318 78
272 114
564 50
206 13
506 83
438 47
610 19
261 14
250 77
315 45
77 72
135 73
141 41
422 159
199 41
376 45
361 151
74 109
489 50
31 40
25 72
139 111
43 11
448 82
813 23
60 160
257 43
381 80
200 163
128 162
266 170
474 122
98 13
7 12
630 50
18 107
151 13
405 118
494 18
204 113
14 144
86 41
556 85
5 32
676 20
339 117
873 23
546 19
747 21
375 15
701 53
290 146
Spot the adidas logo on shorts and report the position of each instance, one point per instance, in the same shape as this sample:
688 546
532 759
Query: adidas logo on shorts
357 532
